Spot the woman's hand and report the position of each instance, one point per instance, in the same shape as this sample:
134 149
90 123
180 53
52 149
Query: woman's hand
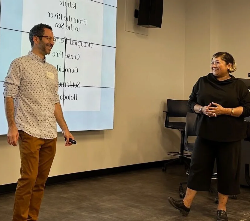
215 110
206 110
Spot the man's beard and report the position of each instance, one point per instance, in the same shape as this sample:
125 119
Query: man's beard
43 48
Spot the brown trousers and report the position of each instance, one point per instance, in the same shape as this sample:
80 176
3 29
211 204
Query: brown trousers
36 159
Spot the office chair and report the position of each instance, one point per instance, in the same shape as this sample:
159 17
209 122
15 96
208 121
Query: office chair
189 146
176 109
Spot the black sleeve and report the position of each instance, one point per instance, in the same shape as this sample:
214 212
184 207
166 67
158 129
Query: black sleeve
244 100
193 96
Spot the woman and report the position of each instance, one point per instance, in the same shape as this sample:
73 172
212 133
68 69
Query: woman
221 102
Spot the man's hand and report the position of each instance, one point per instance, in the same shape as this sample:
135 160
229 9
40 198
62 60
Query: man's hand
68 135
12 136
61 122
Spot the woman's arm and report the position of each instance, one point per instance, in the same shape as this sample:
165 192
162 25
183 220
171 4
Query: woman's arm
217 109
192 102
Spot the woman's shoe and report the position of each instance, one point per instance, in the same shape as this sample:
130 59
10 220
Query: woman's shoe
178 204
222 215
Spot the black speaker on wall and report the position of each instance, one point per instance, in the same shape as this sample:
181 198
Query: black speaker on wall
150 13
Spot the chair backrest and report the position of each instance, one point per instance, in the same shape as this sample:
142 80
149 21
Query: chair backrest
189 128
177 108
190 124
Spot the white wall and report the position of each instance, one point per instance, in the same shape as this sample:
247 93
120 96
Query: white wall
149 69
213 26
233 31
197 44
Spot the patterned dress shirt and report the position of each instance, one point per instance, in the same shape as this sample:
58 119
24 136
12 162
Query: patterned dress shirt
33 84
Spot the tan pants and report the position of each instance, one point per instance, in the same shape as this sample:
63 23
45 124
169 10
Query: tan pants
36 159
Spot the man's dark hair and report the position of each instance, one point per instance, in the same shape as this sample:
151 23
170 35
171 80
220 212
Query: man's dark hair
37 30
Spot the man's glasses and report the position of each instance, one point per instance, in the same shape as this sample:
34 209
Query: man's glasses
48 38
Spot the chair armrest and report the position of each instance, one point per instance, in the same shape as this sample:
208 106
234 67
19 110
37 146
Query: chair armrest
166 119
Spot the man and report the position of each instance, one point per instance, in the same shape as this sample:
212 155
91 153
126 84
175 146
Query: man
32 110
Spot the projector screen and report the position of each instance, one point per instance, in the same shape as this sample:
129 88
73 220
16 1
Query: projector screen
84 54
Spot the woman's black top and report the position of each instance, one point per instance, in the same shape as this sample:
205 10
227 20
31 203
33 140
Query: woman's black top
229 93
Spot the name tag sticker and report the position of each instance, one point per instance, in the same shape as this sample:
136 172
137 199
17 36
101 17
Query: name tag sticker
50 75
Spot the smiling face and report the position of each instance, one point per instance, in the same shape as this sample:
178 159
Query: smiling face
44 43
220 68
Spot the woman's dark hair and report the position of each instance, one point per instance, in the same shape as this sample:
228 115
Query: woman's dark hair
228 58
37 30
